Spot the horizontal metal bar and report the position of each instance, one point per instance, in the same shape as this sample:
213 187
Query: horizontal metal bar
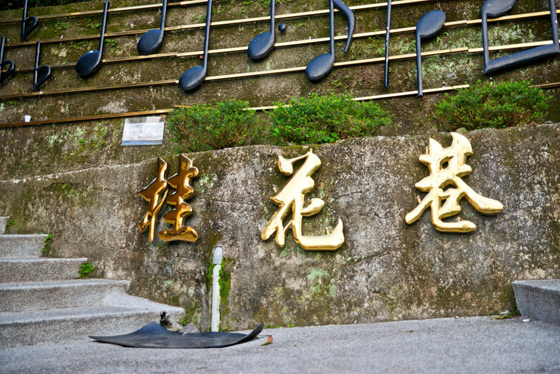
260 108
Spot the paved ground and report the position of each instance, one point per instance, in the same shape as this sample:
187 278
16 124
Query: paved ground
464 345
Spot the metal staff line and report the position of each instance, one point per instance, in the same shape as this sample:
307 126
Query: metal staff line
261 108
113 10
221 23
272 72
295 42
228 76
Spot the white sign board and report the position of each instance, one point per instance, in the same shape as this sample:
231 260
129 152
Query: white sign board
143 131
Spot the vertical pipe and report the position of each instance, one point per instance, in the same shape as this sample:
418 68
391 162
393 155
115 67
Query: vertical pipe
217 261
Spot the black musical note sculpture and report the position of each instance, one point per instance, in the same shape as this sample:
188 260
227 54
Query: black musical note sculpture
27 23
5 74
45 69
427 27
497 8
151 41
322 65
90 61
193 77
263 43
386 78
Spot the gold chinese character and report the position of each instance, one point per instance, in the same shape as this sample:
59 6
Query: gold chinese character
292 196
447 166
155 194
181 182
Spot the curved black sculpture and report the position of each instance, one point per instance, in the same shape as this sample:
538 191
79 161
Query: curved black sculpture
497 8
386 75
154 335
427 27
262 44
193 77
27 23
321 66
44 69
151 41
90 61
12 66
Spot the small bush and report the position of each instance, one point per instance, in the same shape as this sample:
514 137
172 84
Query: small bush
220 125
324 119
86 269
498 105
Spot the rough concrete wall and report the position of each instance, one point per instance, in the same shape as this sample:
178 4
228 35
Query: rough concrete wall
385 270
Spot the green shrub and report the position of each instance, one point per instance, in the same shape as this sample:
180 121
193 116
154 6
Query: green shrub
497 105
86 269
213 126
324 119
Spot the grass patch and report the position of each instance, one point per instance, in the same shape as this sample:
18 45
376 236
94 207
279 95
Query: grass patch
498 105
319 119
86 270
219 125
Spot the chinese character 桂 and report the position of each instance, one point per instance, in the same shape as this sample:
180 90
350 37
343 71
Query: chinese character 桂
292 198
183 191
156 193
445 186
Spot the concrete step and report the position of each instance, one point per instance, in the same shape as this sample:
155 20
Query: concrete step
539 299
27 296
76 324
29 245
38 269
3 221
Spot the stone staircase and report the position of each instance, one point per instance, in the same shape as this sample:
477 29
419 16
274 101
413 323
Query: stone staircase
41 301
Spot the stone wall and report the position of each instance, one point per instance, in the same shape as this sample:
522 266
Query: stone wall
386 269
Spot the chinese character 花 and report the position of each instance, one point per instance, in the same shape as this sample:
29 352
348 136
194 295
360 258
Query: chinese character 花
292 199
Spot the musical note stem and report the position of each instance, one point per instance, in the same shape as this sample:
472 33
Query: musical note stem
47 69
26 30
386 78
207 34
193 77
12 66
91 60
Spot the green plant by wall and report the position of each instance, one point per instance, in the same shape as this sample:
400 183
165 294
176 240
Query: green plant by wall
8 224
214 126
498 105
319 119
47 244
86 269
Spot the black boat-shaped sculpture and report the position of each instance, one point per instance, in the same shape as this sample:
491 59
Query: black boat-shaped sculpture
154 335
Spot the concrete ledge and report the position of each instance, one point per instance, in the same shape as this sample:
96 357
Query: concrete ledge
539 299
58 294
22 245
38 269
77 324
